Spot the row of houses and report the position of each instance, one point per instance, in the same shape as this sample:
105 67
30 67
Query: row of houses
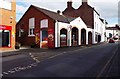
47 29
72 27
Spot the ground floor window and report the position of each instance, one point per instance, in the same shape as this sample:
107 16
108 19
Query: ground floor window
5 38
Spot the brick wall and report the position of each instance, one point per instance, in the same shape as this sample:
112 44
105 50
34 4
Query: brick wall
30 13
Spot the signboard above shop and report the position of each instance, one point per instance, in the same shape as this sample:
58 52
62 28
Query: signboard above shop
3 27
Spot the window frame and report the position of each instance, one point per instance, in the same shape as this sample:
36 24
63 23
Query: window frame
31 26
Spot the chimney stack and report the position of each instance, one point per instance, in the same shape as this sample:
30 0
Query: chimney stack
84 1
69 4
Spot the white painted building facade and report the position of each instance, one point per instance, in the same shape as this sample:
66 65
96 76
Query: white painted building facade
99 29
79 24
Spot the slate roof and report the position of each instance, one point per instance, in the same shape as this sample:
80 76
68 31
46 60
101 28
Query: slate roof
53 15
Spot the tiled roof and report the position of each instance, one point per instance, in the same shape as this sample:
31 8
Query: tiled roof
52 15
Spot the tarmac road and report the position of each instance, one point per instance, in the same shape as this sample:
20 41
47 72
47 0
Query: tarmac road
93 61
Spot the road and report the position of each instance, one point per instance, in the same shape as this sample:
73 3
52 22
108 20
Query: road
95 61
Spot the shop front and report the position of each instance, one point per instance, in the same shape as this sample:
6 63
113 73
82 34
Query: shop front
5 36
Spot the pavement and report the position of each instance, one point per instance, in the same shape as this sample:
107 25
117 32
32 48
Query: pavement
38 50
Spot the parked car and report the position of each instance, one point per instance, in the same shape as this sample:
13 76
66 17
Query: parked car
111 40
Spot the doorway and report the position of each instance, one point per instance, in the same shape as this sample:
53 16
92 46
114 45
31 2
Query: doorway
89 38
63 37
83 37
74 36
5 38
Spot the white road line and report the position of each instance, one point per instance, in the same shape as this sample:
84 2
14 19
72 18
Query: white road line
17 69
5 73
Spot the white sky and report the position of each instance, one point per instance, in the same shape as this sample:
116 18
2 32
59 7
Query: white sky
108 9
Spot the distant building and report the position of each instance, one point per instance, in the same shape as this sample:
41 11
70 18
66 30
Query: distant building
113 32
7 24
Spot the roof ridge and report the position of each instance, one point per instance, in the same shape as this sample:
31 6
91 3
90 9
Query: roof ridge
52 14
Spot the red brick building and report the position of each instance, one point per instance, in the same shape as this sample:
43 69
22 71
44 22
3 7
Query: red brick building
37 26
85 11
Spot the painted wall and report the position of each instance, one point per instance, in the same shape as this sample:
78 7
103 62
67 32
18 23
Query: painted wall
8 18
96 22
78 23
113 32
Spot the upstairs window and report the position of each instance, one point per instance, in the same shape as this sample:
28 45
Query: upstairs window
44 23
31 26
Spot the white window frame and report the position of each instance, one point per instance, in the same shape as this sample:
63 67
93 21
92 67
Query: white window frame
44 23
31 26
19 32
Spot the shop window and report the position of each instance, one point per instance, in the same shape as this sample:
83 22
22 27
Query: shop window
44 23
31 26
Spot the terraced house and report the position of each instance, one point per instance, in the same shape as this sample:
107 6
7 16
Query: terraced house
7 24
72 27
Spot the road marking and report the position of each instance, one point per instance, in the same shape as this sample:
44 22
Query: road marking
5 73
101 72
17 69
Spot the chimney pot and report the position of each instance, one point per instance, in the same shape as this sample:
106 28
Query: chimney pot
84 1
69 4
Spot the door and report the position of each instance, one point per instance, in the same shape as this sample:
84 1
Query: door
83 37
5 38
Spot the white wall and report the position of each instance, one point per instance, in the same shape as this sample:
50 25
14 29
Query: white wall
58 27
102 31
99 27
113 32
78 22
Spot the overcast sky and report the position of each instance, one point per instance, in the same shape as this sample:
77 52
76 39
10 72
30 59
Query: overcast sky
108 9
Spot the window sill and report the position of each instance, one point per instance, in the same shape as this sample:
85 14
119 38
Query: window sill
31 35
